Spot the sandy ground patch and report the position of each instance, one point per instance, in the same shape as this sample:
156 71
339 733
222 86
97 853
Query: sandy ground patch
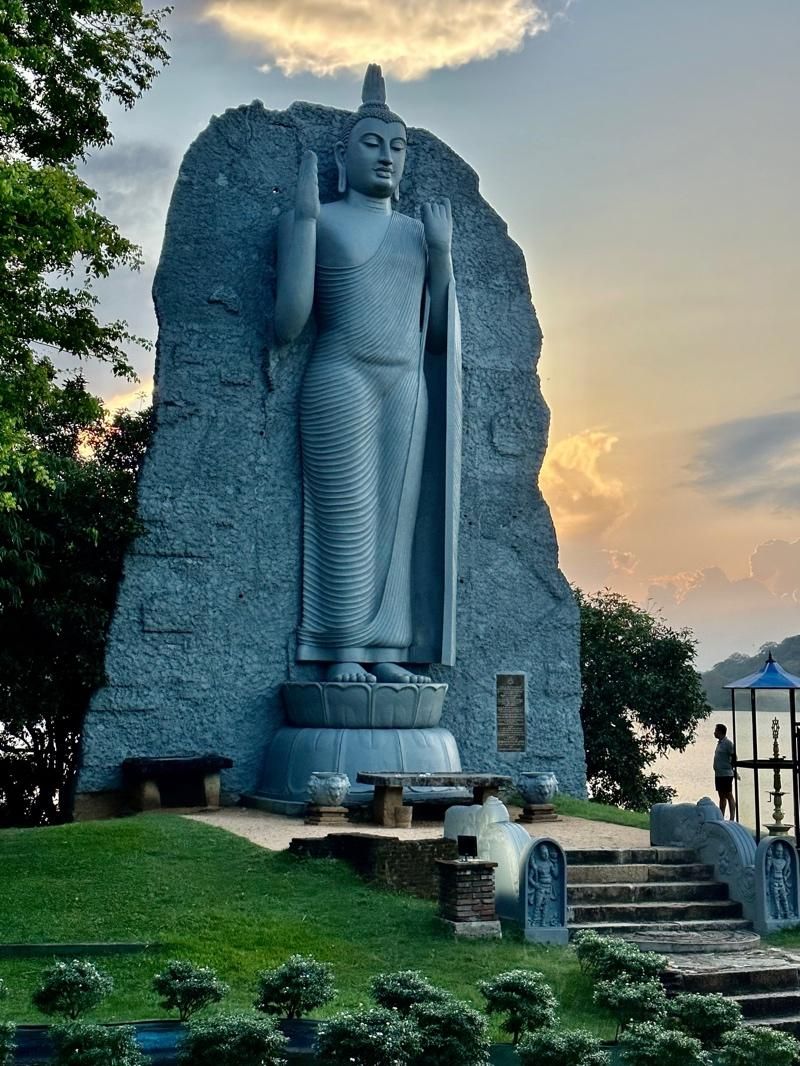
275 831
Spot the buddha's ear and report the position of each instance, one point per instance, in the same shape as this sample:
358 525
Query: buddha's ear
339 152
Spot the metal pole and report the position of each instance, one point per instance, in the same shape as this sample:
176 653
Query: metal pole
735 778
793 731
755 760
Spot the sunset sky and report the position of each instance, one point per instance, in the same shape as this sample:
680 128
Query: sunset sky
643 155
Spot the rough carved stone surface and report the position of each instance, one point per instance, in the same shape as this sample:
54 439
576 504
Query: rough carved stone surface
204 631
777 886
681 825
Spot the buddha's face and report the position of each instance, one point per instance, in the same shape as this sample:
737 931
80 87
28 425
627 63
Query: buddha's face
374 156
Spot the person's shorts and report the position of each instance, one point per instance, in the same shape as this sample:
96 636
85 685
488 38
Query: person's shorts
724 785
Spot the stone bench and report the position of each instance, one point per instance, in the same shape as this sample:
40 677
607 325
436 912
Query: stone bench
389 788
173 781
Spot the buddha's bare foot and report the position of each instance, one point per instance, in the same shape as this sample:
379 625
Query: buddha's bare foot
349 672
391 673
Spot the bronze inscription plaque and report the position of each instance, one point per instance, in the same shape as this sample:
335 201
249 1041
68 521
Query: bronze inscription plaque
511 712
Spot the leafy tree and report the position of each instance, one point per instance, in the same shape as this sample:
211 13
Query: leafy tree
187 988
298 986
642 697
72 988
60 62
82 1044
524 997
404 989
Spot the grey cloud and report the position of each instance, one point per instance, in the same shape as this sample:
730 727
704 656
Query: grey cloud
751 462
776 563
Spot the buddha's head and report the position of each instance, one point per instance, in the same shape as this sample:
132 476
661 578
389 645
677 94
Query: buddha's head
371 151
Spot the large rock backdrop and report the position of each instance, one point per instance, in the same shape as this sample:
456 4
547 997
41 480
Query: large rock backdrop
204 630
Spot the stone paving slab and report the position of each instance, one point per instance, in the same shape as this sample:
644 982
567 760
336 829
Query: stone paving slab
275 831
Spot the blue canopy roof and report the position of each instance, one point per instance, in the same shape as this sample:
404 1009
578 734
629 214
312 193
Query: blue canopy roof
772 676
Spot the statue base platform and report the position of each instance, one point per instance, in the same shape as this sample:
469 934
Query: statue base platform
352 728
538 812
316 815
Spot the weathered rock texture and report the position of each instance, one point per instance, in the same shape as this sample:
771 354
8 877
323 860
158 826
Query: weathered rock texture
204 630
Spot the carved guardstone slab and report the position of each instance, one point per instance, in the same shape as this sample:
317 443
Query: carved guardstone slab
204 629
777 886
543 892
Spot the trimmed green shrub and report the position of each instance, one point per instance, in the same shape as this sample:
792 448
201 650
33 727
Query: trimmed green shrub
376 1037
647 1044
637 1001
452 1034
524 997
298 986
707 1018
767 1047
187 988
239 1039
561 1047
608 957
7 1031
402 990
72 988
83 1044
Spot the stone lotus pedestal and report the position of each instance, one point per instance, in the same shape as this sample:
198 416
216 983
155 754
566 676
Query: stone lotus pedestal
351 727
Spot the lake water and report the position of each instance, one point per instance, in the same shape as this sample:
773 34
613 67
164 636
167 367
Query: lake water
691 772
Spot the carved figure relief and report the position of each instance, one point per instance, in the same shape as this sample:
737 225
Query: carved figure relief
543 882
779 876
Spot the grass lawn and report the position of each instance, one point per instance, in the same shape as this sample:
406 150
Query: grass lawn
219 900
599 812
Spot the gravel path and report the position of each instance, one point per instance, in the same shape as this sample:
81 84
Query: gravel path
275 831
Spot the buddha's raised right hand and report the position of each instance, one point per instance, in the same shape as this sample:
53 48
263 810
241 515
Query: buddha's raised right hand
306 203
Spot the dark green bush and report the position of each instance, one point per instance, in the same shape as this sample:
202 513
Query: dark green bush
7 1030
452 1034
647 1044
707 1018
376 1037
561 1047
83 1044
608 957
758 1047
524 997
402 990
72 988
632 1001
298 986
239 1039
187 988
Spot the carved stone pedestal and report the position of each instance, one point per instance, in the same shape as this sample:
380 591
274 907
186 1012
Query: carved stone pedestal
316 815
538 812
466 897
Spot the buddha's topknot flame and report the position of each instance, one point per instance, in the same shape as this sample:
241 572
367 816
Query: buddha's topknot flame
373 95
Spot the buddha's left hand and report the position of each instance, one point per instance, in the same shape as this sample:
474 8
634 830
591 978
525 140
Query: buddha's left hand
438 222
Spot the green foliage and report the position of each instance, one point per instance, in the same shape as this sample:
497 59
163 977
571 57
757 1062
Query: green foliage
61 553
708 1018
647 1044
72 988
59 64
642 697
452 1034
81 1044
7 1030
187 988
298 986
632 1001
242 1039
376 1037
526 999
561 1047
607 957
758 1047
402 990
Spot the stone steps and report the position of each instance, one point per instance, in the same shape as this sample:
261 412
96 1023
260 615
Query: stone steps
630 929
646 892
641 873
629 856
783 1003
670 912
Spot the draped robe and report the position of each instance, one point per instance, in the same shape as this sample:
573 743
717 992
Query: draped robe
380 476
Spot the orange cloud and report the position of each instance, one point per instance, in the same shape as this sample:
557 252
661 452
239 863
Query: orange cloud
409 39
136 397
584 500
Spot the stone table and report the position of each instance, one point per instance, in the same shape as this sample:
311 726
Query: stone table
389 788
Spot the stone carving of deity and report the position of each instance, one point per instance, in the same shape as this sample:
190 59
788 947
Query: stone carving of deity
379 408
543 881
779 881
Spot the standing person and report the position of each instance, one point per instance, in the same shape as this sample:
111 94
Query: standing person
724 770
